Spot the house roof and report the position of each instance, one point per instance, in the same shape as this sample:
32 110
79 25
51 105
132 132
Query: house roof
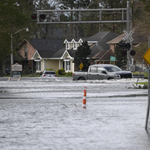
117 39
59 53
103 55
47 47
101 45
54 48
71 52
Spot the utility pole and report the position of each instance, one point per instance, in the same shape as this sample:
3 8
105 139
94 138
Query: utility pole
128 30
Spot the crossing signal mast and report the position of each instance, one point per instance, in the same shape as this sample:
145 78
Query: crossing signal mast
57 17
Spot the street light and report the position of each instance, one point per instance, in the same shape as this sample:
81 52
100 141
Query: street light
12 61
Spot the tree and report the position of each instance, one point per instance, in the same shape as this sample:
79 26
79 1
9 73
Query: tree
81 55
12 18
141 16
146 5
73 4
121 60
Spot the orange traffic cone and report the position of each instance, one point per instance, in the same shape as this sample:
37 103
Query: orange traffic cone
84 98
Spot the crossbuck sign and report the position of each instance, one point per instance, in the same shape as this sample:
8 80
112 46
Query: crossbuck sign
128 36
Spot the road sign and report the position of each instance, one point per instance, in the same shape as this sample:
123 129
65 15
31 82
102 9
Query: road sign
112 58
81 66
128 35
16 67
146 56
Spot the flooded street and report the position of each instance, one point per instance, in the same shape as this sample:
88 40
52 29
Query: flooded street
47 114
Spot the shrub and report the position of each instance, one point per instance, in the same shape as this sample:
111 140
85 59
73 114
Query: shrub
27 70
68 74
49 69
61 71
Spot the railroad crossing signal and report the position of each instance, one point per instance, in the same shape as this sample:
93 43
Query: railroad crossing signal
126 47
34 16
132 52
128 35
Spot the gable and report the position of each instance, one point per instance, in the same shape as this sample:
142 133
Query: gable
36 55
66 55
26 50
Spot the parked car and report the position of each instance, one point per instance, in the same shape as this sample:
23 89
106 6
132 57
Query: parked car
49 74
102 71
7 71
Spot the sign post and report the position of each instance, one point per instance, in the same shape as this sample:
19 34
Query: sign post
146 57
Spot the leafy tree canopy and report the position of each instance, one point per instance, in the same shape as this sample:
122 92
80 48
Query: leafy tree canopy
81 55
121 60
12 19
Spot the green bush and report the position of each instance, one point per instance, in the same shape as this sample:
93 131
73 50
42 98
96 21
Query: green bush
60 71
49 69
68 74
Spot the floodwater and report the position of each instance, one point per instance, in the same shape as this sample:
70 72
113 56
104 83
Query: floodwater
47 114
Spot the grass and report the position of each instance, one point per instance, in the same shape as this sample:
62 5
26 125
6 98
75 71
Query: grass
143 83
143 73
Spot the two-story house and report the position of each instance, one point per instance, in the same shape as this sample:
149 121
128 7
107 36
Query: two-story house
57 54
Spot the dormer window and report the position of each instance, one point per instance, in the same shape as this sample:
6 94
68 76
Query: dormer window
67 45
74 45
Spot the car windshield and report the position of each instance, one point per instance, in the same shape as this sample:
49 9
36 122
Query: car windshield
49 72
112 68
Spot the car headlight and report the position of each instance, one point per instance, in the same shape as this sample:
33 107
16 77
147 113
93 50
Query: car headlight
117 76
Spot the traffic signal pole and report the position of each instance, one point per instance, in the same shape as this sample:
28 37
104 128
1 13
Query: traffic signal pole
44 17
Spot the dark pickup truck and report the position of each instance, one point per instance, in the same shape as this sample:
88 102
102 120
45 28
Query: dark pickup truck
102 71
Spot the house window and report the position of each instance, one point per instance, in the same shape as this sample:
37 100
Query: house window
26 51
67 66
38 65
67 45
74 46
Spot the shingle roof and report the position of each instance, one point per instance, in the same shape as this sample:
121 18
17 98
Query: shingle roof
102 38
117 39
54 48
103 55
47 47
58 54
71 52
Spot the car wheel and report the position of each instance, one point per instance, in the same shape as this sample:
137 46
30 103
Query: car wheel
81 78
110 78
